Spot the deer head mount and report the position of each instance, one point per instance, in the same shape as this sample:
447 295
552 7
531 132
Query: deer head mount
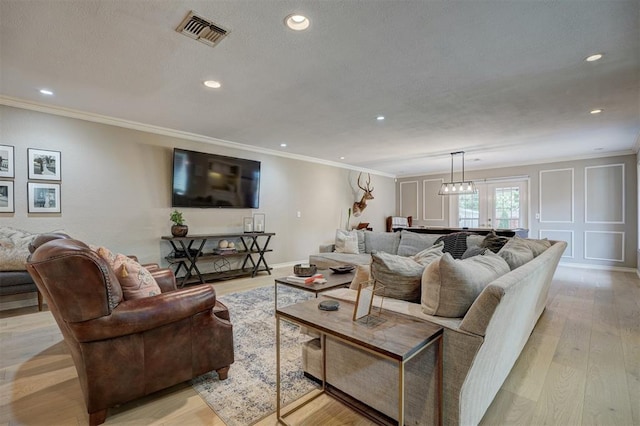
359 206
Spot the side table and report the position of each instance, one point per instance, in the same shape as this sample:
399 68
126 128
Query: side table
397 338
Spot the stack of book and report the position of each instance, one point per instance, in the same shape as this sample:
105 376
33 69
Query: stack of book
305 280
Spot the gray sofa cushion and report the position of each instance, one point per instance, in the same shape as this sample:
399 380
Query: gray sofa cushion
412 242
387 242
536 246
399 275
361 246
449 286
516 253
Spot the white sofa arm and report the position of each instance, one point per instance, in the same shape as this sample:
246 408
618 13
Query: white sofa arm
327 248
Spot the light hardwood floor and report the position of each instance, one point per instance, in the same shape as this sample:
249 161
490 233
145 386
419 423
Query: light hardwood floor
581 365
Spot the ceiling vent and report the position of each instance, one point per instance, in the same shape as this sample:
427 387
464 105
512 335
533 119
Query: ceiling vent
201 29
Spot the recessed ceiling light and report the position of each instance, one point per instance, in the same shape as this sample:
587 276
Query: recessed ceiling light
212 84
284 145
46 92
380 117
596 111
594 58
342 158
297 22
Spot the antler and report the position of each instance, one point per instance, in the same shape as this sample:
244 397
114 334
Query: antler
367 189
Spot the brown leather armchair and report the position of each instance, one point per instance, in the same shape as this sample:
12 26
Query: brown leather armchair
126 349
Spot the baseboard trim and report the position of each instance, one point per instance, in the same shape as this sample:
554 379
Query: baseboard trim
600 267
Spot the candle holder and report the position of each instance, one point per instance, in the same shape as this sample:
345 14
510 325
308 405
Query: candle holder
247 225
258 222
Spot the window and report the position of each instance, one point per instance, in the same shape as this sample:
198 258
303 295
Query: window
499 205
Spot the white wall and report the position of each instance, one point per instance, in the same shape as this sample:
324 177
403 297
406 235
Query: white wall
116 189
587 239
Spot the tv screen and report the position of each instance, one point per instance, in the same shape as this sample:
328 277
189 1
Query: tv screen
210 180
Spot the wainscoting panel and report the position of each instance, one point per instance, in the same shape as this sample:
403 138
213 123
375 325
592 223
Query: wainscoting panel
556 196
432 203
559 235
604 245
604 194
409 198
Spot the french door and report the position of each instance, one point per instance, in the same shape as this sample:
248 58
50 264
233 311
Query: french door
498 205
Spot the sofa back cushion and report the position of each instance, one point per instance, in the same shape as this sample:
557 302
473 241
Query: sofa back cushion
449 286
399 275
387 242
412 242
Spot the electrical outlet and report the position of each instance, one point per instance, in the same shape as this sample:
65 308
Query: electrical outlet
538 216
299 214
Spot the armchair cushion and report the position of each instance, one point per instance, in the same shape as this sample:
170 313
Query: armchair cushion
136 281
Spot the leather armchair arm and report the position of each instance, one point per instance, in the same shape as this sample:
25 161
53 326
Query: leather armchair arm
139 315
165 278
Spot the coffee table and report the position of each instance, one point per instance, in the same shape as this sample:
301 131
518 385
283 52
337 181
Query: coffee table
333 281
396 337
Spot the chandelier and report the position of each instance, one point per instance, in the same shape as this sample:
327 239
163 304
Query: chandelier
459 187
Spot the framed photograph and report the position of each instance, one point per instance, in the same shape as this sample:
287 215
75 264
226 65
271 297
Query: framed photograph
43 197
6 197
44 165
7 161
364 300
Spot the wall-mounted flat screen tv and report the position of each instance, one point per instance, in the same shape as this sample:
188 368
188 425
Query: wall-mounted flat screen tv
214 181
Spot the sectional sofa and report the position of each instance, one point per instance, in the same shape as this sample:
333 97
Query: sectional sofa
480 346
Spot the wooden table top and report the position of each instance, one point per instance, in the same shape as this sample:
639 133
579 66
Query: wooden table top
333 281
397 336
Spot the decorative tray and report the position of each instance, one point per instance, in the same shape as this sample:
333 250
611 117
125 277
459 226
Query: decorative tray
343 269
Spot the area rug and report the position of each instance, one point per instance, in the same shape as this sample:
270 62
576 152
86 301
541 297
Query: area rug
249 393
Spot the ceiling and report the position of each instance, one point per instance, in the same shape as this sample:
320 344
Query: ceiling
505 81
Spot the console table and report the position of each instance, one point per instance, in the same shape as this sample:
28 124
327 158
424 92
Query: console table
191 253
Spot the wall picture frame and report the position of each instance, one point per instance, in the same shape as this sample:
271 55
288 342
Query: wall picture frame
7 161
43 197
7 199
44 164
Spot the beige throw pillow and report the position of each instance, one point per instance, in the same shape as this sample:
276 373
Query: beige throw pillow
449 286
516 253
135 280
398 274
346 241
363 274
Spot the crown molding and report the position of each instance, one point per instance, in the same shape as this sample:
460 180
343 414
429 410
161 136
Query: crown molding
531 163
134 125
